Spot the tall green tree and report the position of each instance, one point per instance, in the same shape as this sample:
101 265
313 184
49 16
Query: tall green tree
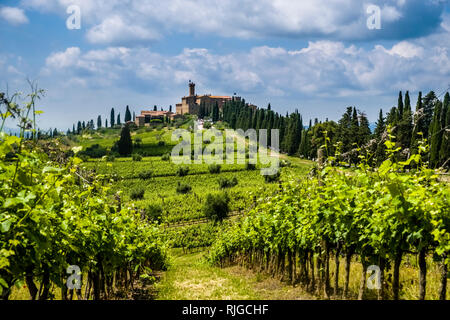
118 119
400 104
113 118
364 133
407 101
127 115
215 112
125 144
429 103
444 153
99 122
436 136
379 132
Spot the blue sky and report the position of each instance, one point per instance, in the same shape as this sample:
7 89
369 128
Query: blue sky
313 55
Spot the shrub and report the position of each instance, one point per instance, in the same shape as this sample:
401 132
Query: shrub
182 171
161 143
138 143
94 151
110 158
166 157
207 125
183 188
273 177
214 168
227 183
145 175
285 163
216 206
153 212
137 157
250 166
137 193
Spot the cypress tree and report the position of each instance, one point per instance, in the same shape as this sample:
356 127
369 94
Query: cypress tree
429 103
73 129
106 123
407 102
99 122
112 121
400 104
118 119
155 108
354 127
125 144
444 153
436 136
79 127
233 121
417 123
379 131
380 126
127 115
134 117
364 132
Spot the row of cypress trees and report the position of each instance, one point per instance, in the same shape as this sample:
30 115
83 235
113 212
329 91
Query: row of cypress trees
430 120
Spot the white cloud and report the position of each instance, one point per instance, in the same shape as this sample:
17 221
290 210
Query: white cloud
114 30
323 68
14 16
116 22
407 50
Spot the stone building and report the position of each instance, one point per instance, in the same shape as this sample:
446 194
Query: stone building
191 104
146 117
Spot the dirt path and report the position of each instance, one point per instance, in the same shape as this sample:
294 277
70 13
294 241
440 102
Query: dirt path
191 278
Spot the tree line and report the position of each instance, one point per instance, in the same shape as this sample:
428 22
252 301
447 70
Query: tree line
430 120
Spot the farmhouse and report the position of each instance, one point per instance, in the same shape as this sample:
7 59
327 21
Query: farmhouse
146 117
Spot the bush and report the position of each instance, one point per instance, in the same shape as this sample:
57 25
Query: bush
285 163
166 157
110 158
207 125
250 166
137 157
214 168
145 175
94 151
216 207
138 143
161 143
137 193
227 183
182 171
273 177
153 212
183 188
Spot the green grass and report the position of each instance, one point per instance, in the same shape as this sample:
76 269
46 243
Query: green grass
191 278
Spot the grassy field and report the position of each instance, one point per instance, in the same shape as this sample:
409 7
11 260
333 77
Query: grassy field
191 278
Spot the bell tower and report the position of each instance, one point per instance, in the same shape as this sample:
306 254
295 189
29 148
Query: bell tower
191 88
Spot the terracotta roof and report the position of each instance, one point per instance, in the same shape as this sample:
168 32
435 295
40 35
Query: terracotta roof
155 113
